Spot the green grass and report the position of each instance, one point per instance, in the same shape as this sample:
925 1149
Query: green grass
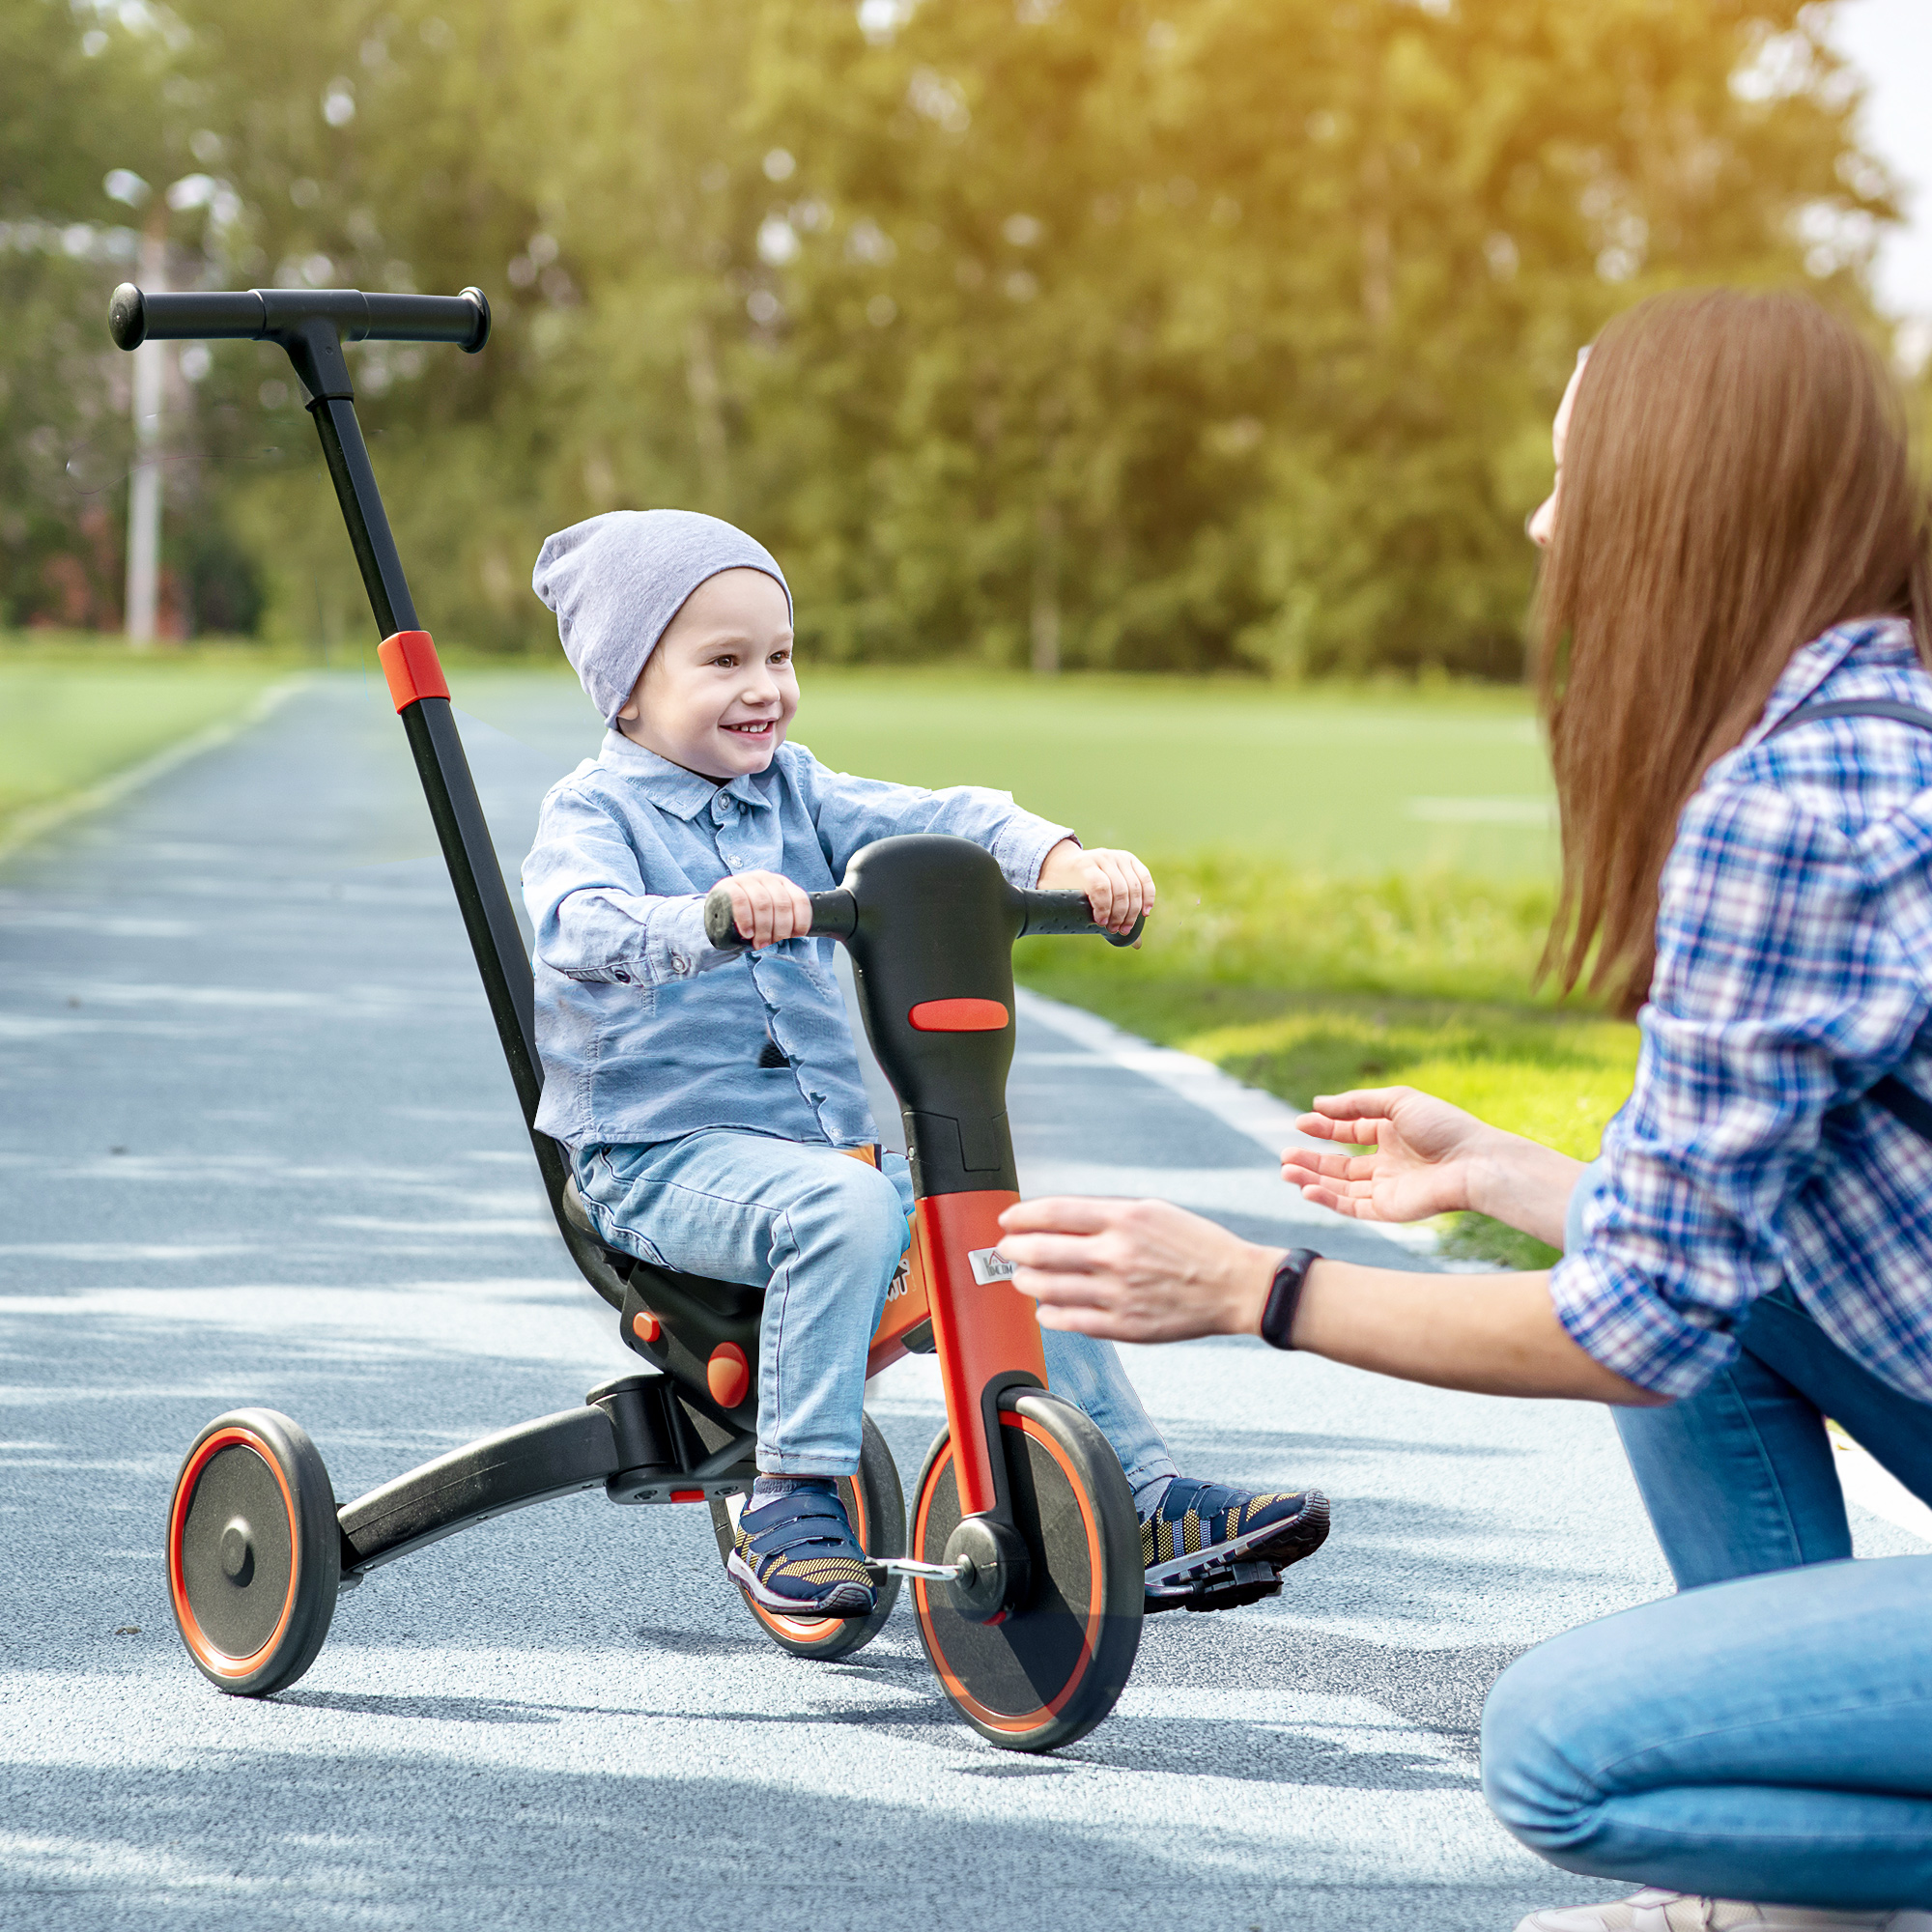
73 714
1339 780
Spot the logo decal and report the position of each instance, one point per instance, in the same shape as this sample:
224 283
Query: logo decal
989 1265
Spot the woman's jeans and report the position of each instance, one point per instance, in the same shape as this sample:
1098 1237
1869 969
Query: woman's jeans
823 1234
1765 1739
1739 1477
1763 1736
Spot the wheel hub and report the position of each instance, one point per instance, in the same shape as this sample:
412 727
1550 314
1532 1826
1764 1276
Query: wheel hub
990 1559
237 1553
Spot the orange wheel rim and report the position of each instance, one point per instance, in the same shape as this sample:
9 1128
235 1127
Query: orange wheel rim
196 1639
1002 1720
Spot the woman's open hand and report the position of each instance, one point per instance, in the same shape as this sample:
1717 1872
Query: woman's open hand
1429 1158
1424 1151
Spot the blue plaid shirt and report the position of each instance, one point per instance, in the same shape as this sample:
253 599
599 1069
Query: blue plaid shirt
1793 969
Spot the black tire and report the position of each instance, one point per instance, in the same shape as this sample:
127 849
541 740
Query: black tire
877 1506
1056 1666
254 1552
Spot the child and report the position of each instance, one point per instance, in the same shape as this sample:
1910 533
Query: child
705 1096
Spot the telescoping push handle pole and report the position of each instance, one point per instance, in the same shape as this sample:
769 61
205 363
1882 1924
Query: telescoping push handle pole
312 325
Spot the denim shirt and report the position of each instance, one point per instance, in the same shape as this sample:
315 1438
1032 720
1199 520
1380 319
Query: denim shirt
646 1031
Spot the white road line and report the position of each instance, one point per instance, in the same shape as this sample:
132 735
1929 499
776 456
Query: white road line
1867 1482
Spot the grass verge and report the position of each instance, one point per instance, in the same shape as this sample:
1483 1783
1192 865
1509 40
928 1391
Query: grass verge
67 724
1302 986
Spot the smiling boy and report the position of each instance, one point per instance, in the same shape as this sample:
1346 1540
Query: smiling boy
707 1096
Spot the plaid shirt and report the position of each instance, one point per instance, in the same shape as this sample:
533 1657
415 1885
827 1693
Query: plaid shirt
1793 969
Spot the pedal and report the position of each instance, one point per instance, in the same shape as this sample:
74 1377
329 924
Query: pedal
1227 1588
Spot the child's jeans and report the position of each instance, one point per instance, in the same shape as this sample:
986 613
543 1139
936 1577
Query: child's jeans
825 1232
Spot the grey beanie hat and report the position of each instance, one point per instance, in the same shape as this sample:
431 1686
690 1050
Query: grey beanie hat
617 579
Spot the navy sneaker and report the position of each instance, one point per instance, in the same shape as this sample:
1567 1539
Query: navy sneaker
796 1556
1210 1547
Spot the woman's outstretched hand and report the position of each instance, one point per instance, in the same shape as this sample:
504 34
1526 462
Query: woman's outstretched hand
1424 1149
1429 1158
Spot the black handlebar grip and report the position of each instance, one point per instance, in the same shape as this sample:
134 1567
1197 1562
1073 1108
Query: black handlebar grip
134 316
1069 915
721 923
834 915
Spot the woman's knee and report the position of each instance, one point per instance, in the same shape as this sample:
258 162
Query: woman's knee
1533 1753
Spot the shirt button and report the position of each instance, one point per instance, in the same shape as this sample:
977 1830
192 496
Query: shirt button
679 963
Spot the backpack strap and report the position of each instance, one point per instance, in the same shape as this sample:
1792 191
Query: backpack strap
1851 707
1911 1110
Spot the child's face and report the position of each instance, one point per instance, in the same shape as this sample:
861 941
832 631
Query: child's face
719 691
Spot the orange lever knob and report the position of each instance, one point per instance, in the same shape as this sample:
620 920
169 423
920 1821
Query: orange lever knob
727 1374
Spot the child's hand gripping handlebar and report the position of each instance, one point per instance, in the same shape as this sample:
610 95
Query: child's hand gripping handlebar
836 914
1069 914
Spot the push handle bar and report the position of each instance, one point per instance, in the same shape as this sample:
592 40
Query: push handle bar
836 914
278 315
1068 914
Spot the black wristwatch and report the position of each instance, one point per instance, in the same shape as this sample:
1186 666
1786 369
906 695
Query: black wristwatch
1284 1296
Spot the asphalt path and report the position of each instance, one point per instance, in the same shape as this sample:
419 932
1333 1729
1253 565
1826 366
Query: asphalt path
259 1147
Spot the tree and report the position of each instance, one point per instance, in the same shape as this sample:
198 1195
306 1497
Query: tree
1133 334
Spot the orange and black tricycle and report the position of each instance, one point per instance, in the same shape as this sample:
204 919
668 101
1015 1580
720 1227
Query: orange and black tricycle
1025 1558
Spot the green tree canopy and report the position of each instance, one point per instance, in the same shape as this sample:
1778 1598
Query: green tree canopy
1138 333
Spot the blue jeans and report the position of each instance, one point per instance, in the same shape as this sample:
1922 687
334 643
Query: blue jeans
1769 1738
1739 1479
823 1234
1767 1734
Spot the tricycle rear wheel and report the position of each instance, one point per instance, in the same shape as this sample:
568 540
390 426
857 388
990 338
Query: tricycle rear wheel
254 1552
875 1505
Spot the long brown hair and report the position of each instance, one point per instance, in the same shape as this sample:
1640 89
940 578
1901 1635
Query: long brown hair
1736 480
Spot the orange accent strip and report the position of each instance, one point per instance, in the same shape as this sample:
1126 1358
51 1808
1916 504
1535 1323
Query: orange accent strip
410 664
687 1495
1000 1721
727 1374
196 1639
959 1017
980 1331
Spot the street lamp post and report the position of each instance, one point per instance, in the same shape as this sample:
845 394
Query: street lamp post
144 491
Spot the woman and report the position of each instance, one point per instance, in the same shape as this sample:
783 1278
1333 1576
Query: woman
1734 534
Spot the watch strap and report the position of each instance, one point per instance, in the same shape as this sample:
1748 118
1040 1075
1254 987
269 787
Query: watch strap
1284 1296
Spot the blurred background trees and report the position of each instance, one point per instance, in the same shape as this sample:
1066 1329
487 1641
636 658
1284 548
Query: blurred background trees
1148 335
